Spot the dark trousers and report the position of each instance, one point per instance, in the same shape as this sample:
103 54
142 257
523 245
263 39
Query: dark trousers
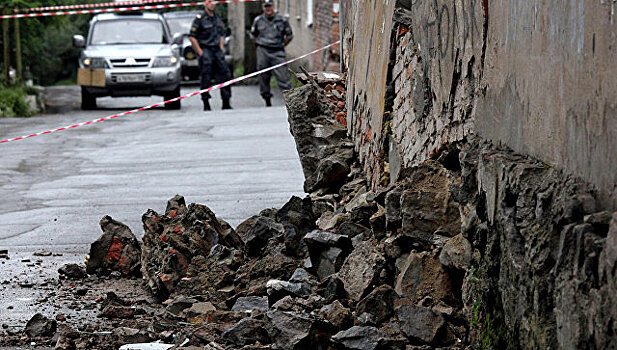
267 58
212 65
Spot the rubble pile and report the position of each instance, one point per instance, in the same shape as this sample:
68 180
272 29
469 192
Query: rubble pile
430 261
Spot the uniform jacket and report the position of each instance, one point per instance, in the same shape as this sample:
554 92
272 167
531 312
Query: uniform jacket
207 30
271 33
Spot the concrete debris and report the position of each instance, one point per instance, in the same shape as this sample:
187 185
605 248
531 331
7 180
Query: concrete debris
326 152
456 253
337 314
361 269
72 272
40 326
246 332
250 304
420 323
173 239
360 338
117 249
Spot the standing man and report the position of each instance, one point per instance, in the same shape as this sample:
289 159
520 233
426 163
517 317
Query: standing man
272 33
207 38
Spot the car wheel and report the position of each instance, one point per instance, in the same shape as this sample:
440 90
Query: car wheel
169 96
88 102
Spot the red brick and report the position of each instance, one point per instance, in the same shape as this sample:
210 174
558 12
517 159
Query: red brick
113 254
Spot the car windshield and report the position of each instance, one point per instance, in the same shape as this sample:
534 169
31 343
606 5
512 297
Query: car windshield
181 25
128 31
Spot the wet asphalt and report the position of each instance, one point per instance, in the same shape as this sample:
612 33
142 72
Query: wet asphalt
55 188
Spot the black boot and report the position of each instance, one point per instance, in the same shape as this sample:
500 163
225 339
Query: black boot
207 105
226 104
268 101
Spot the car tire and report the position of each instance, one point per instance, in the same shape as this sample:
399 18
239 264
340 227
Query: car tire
88 101
169 96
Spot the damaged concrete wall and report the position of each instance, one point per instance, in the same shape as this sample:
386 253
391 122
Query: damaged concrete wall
436 76
368 59
532 75
552 85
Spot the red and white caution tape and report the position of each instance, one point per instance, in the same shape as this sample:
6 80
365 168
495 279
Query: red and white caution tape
112 4
215 87
115 9
81 12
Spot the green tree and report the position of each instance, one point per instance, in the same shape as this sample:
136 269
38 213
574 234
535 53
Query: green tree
47 53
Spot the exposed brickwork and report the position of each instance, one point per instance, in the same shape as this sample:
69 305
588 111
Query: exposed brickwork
418 127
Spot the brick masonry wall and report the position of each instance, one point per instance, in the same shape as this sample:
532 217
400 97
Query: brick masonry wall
436 78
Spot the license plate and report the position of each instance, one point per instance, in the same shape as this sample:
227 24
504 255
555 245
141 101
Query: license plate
191 63
131 78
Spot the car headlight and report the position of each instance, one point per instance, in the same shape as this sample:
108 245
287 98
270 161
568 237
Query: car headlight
165 61
95 62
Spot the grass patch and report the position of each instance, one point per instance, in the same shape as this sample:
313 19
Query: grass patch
13 102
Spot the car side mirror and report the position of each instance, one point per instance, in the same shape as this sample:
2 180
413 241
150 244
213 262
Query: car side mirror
177 39
79 41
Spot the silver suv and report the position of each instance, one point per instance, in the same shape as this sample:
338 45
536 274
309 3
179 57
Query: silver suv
129 55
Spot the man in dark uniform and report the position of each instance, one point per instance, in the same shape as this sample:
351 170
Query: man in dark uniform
207 38
272 33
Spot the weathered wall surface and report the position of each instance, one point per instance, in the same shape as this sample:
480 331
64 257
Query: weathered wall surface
537 76
436 76
368 63
552 84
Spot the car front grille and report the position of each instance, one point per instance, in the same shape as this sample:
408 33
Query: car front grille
129 62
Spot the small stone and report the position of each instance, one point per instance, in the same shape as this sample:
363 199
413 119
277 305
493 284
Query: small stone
201 308
337 314
456 253
180 303
419 323
360 338
72 272
42 252
40 326
246 332
249 304
278 289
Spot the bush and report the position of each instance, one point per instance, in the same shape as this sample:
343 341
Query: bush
13 103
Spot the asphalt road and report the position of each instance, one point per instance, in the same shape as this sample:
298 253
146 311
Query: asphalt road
55 188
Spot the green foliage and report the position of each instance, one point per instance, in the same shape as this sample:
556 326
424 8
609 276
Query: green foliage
13 102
